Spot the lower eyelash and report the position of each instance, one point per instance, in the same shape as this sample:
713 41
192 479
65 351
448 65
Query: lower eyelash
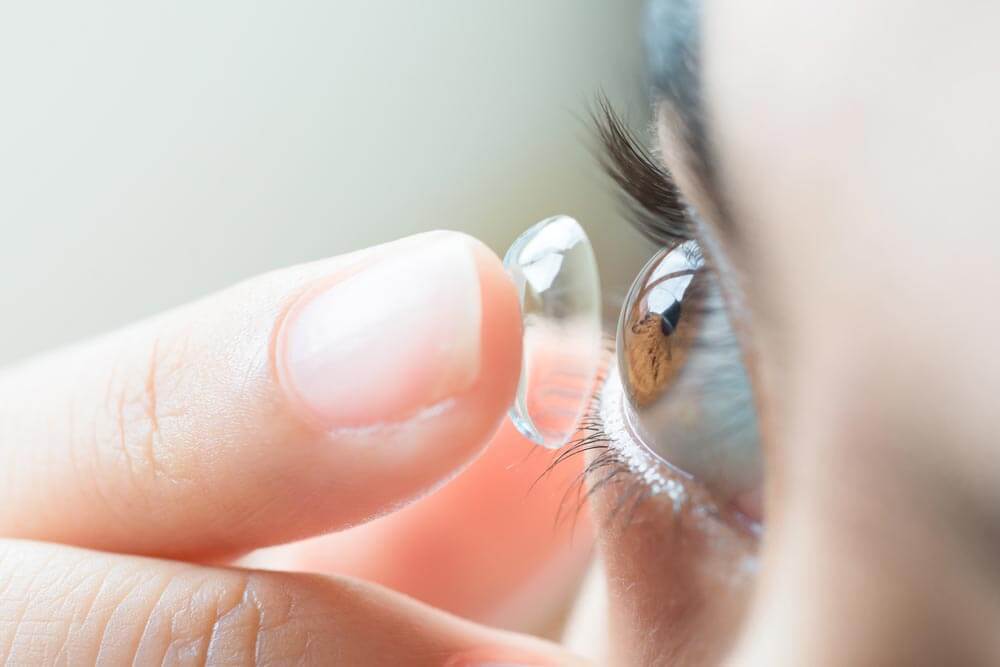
640 463
605 466
620 459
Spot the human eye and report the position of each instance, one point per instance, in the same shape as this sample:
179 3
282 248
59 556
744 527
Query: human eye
676 409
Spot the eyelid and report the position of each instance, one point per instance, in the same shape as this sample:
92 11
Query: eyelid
658 210
617 456
614 457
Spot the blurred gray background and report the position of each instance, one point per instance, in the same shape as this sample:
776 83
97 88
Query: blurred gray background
153 152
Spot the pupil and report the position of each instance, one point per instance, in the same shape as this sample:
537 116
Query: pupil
670 318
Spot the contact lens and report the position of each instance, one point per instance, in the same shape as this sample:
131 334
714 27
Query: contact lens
555 271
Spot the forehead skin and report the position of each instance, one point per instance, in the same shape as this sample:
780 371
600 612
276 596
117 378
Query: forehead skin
672 36
673 54
857 146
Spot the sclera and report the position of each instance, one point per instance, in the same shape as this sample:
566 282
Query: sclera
555 271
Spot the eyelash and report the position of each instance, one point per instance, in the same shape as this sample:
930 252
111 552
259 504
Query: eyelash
655 208
652 200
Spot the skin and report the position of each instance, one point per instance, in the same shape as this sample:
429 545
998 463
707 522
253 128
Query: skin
915 401
845 166
135 465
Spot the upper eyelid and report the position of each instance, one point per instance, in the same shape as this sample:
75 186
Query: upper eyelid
659 210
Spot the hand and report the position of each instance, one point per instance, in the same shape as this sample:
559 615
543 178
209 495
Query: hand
299 402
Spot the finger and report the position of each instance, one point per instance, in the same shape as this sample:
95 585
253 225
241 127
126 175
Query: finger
510 514
304 400
70 606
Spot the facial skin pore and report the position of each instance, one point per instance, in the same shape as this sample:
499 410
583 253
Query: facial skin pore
844 156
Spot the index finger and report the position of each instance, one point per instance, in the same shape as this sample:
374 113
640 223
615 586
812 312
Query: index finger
297 402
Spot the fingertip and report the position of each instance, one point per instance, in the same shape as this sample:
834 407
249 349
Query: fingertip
402 414
442 439
396 335
501 330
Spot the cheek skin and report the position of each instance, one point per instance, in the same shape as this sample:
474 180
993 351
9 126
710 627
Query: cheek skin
858 143
678 582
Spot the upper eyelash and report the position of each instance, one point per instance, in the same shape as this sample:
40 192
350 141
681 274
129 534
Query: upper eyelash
651 196
657 210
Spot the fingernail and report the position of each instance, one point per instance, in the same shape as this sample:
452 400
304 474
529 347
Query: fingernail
400 335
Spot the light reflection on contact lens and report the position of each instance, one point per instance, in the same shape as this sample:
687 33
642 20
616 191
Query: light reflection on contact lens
553 266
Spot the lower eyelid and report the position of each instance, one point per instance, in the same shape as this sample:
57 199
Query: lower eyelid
620 452
616 457
639 462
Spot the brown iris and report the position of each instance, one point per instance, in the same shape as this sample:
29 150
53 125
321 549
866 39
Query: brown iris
660 328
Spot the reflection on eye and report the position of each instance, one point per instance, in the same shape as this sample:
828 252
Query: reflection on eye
656 339
687 393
